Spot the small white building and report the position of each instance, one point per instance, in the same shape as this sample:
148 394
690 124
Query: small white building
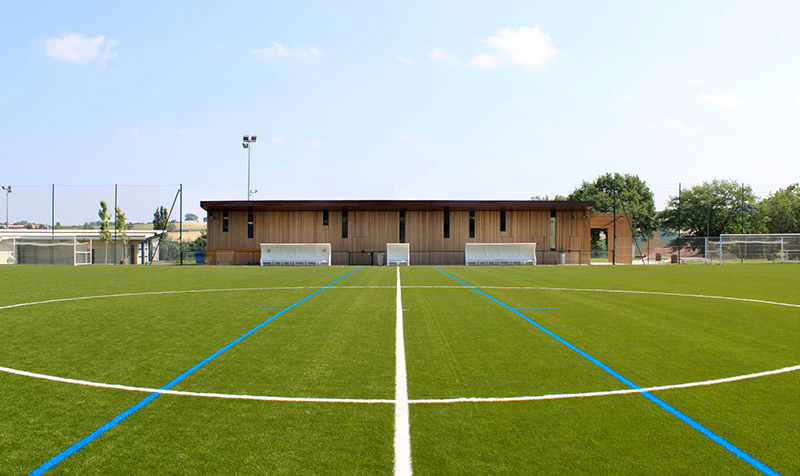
76 247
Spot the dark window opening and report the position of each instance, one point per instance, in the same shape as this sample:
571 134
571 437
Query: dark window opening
447 223
225 220
472 223
502 220
553 235
250 223
402 226
324 217
344 223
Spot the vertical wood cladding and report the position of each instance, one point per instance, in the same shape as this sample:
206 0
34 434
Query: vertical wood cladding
371 230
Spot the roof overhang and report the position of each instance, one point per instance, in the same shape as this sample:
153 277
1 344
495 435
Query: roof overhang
390 205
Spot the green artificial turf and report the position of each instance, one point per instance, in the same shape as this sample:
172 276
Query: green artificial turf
150 324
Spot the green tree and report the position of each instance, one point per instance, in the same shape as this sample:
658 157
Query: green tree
119 228
160 224
633 196
191 217
105 228
780 211
711 209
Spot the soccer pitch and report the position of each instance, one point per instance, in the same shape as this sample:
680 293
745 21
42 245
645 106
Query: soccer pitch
249 370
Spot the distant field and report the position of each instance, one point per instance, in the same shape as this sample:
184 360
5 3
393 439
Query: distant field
491 335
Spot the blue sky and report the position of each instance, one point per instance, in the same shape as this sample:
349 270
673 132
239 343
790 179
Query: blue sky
390 100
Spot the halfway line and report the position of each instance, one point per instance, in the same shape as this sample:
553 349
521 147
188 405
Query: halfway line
122 416
402 432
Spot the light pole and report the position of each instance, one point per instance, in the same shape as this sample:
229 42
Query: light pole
246 141
7 188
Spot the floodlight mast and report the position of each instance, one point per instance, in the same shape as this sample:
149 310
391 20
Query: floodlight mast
246 141
7 188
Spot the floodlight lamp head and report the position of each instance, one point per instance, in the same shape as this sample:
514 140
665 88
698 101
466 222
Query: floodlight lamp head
245 145
245 138
253 138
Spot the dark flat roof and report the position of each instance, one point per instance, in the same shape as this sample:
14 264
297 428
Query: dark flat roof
388 205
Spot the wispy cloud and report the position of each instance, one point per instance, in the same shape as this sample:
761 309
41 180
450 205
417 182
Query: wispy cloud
526 46
135 132
403 59
437 54
695 82
627 98
484 60
697 126
314 144
520 100
183 131
278 51
77 48
730 99
277 140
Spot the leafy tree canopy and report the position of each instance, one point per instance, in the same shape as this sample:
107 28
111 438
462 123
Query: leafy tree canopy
711 209
633 197
780 211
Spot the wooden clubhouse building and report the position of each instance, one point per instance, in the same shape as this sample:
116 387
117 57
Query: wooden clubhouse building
437 230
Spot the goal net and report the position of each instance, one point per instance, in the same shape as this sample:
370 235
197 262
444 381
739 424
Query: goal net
398 253
51 251
295 254
755 248
500 253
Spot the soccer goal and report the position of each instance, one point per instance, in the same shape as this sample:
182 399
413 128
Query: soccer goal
398 254
500 253
75 252
755 248
295 254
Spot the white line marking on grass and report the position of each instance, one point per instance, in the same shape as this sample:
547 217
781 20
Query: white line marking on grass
270 398
402 431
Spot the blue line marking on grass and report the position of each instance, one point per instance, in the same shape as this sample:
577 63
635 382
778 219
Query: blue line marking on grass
686 419
119 418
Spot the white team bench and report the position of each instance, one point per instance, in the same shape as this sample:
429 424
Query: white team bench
295 254
398 254
500 253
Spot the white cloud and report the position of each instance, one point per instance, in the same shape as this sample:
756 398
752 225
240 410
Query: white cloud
411 139
402 59
680 124
314 144
628 98
77 48
183 131
484 61
277 50
277 140
524 45
699 127
730 99
135 132
695 82
437 54
652 126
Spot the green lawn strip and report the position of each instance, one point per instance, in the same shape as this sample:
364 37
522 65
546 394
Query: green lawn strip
767 282
340 343
603 435
183 435
38 283
41 419
460 344
656 340
760 416
139 340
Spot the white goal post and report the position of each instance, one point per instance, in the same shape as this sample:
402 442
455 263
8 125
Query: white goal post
754 248
398 253
500 253
295 254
